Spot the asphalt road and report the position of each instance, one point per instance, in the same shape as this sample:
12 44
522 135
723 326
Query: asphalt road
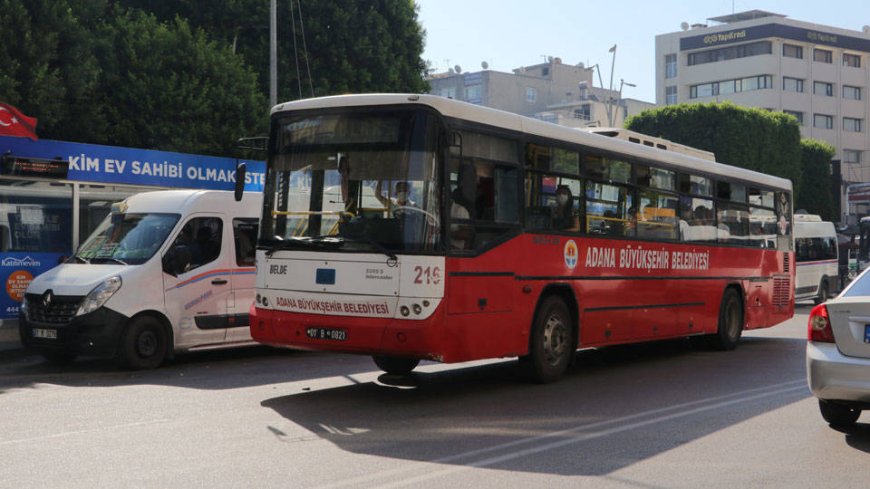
659 415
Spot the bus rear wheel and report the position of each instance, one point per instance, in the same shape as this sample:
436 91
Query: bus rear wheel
730 322
396 365
551 343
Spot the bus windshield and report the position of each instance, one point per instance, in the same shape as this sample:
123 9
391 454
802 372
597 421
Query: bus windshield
127 239
354 180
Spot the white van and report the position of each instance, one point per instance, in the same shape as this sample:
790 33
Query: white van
165 272
816 254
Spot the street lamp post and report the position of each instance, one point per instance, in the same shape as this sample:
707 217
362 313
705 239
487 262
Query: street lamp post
619 97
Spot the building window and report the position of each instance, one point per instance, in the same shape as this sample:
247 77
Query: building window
823 88
797 115
852 60
792 84
670 95
852 155
823 56
792 51
670 66
474 94
731 86
584 112
448 92
731 52
851 125
822 121
531 94
851 93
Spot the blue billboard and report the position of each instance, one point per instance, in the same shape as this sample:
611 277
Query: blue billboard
131 166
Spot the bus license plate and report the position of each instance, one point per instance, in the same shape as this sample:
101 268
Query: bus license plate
335 334
48 334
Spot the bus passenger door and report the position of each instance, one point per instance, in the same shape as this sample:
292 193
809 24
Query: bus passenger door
196 298
243 279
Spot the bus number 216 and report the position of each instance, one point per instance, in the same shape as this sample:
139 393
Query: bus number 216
427 275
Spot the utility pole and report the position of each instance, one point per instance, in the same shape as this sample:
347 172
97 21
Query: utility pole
273 54
610 94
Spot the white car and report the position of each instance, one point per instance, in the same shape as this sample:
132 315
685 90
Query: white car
838 353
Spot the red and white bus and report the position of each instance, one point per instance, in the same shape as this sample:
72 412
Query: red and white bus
413 227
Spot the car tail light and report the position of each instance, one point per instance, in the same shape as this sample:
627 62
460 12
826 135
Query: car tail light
819 328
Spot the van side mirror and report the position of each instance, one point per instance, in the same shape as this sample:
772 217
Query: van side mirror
239 188
177 260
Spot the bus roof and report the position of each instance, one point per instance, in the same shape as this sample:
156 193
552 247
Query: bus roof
518 123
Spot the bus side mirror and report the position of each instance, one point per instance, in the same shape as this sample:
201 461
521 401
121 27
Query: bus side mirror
239 189
253 144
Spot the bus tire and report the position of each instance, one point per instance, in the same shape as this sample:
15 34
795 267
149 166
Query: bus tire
839 415
824 290
396 365
551 345
144 344
730 322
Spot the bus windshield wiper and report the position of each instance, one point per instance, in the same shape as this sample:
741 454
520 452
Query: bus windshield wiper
302 242
383 249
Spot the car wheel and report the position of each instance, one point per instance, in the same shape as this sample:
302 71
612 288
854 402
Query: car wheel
551 346
730 322
396 365
840 415
144 344
823 293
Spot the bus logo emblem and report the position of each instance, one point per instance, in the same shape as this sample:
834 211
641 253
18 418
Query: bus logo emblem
571 253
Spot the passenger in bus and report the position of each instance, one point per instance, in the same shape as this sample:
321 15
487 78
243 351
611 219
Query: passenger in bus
564 218
460 233
631 222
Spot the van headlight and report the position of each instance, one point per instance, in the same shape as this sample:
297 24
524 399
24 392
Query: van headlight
99 295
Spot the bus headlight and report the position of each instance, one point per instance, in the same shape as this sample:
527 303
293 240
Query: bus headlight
99 295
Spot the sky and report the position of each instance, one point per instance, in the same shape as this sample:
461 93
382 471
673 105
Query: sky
508 34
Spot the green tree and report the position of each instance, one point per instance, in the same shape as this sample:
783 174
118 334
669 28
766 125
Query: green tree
816 197
768 142
171 88
348 47
48 51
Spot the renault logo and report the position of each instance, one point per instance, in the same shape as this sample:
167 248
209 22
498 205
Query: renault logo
47 297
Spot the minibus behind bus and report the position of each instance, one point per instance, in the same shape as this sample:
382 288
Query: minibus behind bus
817 258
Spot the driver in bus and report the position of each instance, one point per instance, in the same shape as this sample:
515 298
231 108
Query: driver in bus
399 199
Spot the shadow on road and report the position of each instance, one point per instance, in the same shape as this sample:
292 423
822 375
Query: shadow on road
651 398
215 369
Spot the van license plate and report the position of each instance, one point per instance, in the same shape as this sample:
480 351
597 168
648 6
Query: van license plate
49 334
335 334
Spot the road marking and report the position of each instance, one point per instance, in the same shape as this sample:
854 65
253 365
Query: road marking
575 435
81 432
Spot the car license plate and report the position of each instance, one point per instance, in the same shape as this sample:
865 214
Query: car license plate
867 333
335 334
49 334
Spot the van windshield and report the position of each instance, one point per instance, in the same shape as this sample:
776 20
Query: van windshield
129 239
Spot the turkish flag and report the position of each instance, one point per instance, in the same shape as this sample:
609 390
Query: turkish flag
14 123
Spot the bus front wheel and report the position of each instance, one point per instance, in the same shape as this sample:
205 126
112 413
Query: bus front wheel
551 344
396 365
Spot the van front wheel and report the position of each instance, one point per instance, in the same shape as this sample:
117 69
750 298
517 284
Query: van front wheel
143 345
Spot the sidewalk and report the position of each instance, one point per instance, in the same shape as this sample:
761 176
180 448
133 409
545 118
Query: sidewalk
9 340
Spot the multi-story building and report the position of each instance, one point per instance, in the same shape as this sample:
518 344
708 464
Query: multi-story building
552 91
817 73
